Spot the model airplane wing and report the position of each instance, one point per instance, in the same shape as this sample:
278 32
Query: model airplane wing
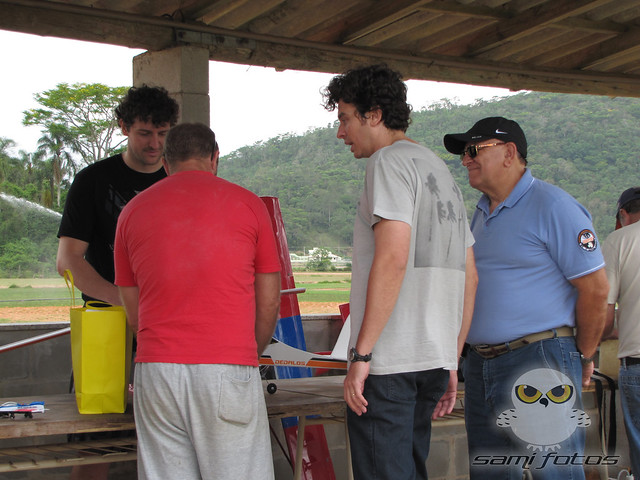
281 354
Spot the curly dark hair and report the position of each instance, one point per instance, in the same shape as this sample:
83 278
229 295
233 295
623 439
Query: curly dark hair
148 104
369 88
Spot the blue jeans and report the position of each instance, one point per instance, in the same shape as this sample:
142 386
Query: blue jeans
391 440
629 383
517 402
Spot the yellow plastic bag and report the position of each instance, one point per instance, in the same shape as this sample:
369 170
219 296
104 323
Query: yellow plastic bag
101 347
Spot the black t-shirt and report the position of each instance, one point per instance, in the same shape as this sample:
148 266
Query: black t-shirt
97 196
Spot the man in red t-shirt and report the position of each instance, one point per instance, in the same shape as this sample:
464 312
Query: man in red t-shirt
198 273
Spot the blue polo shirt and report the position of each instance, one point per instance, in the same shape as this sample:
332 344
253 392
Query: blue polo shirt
527 250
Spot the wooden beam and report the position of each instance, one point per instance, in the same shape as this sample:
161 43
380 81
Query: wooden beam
381 15
87 24
526 48
400 27
497 75
216 10
530 21
607 52
331 29
564 53
306 15
285 53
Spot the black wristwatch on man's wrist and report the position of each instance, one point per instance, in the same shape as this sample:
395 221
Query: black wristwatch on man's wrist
586 360
354 356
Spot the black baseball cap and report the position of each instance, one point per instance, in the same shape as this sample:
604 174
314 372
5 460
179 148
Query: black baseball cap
485 129
628 195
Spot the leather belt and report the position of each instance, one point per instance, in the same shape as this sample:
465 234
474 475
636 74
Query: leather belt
629 361
493 351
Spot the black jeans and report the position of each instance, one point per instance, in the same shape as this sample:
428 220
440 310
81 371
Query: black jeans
391 440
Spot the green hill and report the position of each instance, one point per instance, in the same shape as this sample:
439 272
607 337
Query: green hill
587 145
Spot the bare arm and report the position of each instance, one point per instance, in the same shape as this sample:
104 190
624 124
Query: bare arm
591 310
267 288
129 297
70 256
392 245
610 323
448 400
470 287
591 313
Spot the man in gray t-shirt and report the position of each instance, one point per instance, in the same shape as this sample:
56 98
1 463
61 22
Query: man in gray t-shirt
413 280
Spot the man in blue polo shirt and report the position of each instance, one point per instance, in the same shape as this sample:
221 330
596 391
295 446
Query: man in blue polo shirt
540 309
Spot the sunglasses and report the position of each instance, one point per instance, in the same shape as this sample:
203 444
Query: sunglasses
472 150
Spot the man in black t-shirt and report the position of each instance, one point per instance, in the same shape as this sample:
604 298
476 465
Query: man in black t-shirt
101 190
97 196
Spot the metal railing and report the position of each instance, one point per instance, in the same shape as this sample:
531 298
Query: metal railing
37 339
65 331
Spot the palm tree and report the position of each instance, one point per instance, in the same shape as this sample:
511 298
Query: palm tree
5 157
54 142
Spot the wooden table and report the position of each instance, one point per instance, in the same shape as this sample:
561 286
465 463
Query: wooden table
294 398
61 417
297 397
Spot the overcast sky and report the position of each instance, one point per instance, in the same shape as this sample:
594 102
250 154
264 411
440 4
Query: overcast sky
248 104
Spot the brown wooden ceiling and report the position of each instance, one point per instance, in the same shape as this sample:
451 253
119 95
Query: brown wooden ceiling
570 46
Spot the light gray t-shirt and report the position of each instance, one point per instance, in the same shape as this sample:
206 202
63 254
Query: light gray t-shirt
408 182
622 257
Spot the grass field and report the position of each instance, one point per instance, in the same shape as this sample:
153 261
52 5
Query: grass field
39 292
22 298
323 287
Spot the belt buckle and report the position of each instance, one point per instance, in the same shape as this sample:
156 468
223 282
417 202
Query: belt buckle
490 351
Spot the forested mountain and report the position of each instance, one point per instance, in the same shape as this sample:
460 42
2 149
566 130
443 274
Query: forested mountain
589 146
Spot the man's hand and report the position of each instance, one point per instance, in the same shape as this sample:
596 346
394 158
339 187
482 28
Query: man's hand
446 403
354 387
587 371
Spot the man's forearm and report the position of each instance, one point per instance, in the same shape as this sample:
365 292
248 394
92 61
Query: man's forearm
92 284
610 322
267 291
71 257
591 311
130 296
470 288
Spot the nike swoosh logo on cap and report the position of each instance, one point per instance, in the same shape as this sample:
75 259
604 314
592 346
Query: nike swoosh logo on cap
499 131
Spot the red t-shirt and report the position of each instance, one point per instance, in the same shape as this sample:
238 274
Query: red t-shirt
191 243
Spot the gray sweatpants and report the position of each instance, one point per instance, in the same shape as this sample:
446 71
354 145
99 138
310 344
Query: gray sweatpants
201 422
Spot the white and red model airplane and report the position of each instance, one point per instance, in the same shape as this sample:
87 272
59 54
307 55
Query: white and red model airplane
282 355
11 409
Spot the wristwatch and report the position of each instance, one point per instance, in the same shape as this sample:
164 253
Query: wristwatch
354 356
586 360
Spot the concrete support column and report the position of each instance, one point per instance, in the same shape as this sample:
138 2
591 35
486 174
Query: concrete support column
184 72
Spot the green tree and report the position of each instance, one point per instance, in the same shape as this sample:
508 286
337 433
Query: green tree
5 158
320 261
20 258
52 144
82 115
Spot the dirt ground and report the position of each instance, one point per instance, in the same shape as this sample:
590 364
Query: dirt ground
61 314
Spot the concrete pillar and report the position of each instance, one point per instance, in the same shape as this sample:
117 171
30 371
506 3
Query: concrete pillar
184 72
